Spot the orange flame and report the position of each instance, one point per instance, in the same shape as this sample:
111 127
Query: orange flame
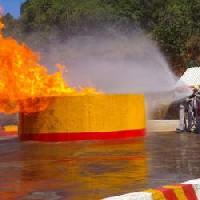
23 81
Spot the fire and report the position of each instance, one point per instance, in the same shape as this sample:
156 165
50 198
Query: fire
25 85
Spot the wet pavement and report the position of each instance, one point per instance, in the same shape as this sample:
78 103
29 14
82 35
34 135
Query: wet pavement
96 169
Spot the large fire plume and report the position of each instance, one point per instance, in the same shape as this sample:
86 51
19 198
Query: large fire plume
23 81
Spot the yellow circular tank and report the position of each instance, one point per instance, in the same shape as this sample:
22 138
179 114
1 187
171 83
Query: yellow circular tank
86 118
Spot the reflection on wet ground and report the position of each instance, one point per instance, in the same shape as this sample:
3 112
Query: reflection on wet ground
96 169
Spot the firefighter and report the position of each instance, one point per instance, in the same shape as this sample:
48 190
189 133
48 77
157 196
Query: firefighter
197 112
186 114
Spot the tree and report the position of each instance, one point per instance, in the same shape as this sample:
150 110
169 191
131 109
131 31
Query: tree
67 16
12 26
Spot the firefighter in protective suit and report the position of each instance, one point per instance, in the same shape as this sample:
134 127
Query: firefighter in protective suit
197 112
188 113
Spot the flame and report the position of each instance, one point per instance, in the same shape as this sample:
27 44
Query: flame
23 81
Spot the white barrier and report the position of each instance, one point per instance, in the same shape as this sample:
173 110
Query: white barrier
148 195
133 196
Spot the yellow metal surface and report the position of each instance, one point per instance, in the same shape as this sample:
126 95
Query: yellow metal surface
97 113
10 128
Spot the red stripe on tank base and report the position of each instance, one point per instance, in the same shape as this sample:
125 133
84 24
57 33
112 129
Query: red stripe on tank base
72 136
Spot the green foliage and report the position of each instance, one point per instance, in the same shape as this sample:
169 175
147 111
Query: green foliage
67 16
174 27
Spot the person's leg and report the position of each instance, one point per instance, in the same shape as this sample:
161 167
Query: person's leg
190 118
198 124
185 121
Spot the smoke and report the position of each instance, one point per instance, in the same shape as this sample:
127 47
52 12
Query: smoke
113 64
117 64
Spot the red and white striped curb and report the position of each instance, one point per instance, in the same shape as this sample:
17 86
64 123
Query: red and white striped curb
189 190
196 186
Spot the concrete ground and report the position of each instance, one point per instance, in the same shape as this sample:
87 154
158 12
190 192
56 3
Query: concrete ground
91 170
